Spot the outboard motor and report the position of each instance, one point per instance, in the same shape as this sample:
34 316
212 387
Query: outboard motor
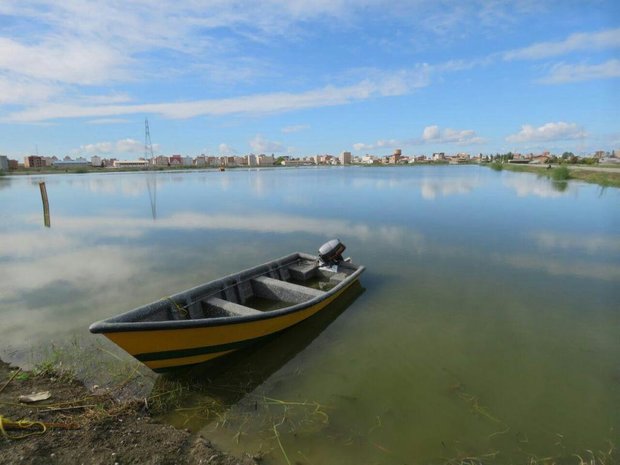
330 253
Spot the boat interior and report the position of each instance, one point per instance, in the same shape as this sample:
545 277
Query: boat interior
282 283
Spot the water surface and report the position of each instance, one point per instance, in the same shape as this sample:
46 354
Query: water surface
486 324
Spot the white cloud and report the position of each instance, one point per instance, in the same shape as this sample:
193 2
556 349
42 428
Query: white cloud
430 134
434 134
294 128
108 121
587 41
130 146
463 137
226 150
380 144
562 73
548 132
250 104
22 90
63 60
261 145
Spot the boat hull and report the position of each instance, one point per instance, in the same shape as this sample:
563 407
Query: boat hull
182 345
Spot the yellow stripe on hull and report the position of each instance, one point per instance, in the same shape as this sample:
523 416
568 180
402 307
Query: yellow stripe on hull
142 343
175 362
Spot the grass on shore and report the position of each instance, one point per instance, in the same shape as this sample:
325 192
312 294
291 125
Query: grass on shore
563 173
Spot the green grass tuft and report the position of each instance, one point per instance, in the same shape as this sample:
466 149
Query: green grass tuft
560 174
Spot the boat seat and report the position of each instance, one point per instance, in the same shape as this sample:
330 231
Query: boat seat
231 307
303 271
275 289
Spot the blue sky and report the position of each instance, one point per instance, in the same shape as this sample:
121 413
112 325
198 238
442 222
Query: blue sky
303 77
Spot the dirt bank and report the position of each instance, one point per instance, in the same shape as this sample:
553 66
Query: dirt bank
91 427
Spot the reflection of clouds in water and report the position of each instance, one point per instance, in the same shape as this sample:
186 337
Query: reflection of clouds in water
5 182
588 243
85 267
433 188
539 187
27 244
575 268
380 183
129 187
534 263
111 226
257 182
64 288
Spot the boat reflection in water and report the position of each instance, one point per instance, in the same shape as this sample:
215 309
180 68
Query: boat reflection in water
204 391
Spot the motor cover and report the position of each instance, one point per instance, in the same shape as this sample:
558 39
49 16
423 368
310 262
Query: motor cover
331 251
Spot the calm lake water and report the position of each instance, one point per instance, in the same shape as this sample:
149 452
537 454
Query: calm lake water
487 324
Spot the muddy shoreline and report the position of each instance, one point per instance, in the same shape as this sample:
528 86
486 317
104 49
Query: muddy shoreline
91 427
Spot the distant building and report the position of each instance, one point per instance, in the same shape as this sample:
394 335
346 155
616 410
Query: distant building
95 161
295 162
266 160
395 157
611 159
162 160
130 163
437 156
252 160
213 161
4 163
33 161
176 160
80 162
345 158
187 161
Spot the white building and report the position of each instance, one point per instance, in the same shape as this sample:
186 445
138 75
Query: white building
95 160
252 160
4 163
131 163
188 161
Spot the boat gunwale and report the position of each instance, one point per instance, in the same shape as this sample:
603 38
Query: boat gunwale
112 325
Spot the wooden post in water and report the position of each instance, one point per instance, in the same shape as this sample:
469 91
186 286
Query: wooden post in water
46 205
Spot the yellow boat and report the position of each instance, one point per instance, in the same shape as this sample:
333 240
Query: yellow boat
230 313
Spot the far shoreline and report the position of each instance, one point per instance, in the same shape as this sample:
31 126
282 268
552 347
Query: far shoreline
605 175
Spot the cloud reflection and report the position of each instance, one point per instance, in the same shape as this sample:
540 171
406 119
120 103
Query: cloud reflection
533 186
433 188
119 226
587 243
574 268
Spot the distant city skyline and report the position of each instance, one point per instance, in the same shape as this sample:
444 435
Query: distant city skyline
308 77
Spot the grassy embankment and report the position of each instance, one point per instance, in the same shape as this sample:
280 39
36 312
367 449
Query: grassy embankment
563 173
